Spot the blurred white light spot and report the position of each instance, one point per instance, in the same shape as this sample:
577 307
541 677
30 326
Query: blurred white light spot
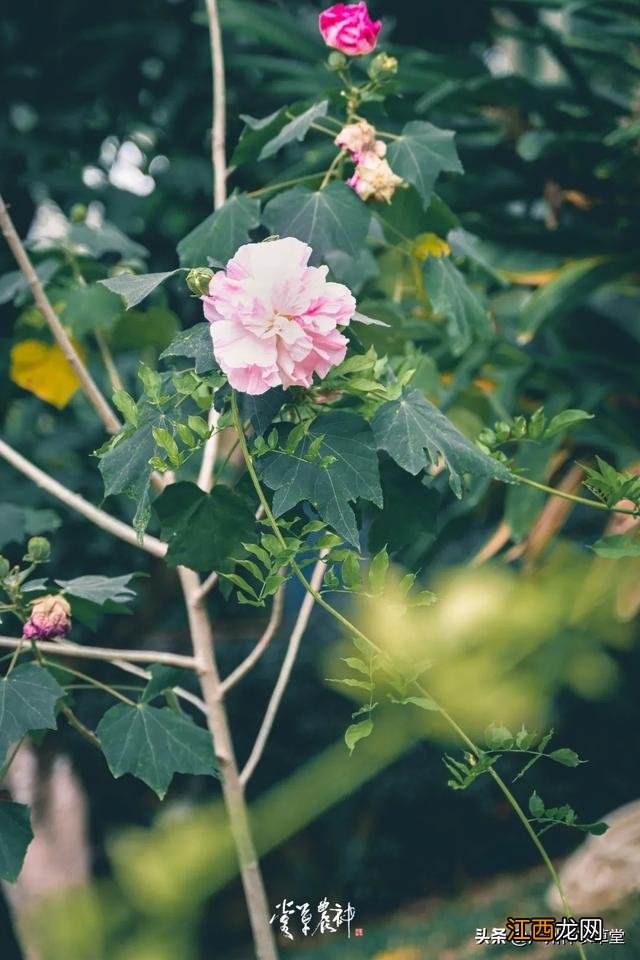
125 173
498 61
23 117
93 177
159 164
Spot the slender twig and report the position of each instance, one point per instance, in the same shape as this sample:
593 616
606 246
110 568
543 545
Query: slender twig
98 517
205 476
92 680
180 692
252 658
65 649
332 166
79 726
285 674
218 127
93 392
109 363
596 504
285 183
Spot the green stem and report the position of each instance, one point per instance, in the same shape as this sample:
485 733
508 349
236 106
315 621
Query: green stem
596 504
332 166
284 183
79 726
91 680
357 632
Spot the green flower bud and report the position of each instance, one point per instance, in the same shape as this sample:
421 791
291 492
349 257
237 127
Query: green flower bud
78 213
502 430
5 567
38 549
382 67
120 269
336 61
198 280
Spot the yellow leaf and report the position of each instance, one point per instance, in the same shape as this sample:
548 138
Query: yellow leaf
530 278
43 370
430 245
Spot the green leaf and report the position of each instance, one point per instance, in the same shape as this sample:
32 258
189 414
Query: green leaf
618 546
330 488
453 299
13 285
138 329
105 238
100 590
421 154
356 732
194 343
295 129
163 677
356 664
498 737
394 525
28 697
351 572
17 523
127 406
562 421
536 805
204 530
133 289
565 756
90 307
408 427
15 836
378 570
260 132
153 743
329 220
217 238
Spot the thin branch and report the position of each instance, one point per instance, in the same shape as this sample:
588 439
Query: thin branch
285 673
66 649
218 128
274 622
109 363
98 517
205 476
93 392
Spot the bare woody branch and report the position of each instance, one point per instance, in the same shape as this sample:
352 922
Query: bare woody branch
93 392
98 517
218 129
108 654
274 622
285 673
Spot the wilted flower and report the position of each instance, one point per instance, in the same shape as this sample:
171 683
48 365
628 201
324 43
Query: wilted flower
274 319
50 617
374 178
349 28
359 139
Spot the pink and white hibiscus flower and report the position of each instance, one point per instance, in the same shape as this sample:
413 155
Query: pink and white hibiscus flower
349 28
274 319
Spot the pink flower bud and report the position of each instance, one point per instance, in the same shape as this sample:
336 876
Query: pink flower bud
50 617
349 28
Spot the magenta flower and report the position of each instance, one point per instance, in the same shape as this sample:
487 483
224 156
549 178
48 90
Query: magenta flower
274 319
349 28
50 617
